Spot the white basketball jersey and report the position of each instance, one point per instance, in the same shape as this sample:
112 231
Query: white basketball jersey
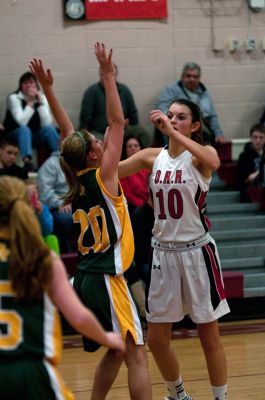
179 196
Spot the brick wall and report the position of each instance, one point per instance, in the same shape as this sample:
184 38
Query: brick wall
149 54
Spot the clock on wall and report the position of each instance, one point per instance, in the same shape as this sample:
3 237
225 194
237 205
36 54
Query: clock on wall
75 9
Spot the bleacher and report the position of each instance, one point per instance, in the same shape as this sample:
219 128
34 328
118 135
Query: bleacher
239 230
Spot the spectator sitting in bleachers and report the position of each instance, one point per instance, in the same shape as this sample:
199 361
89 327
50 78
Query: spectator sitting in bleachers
190 87
93 108
42 211
8 155
28 119
52 185
142 224
134 186
251 162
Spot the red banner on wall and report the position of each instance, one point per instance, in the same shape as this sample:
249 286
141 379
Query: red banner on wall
125 9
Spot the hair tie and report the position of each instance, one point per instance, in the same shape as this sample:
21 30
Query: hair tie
79 134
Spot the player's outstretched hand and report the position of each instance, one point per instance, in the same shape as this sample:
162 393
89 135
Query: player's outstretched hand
43 76
104 59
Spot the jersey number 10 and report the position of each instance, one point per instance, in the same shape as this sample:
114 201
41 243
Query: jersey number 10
174 204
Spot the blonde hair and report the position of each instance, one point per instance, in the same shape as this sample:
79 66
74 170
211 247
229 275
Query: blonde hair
74 150
30 268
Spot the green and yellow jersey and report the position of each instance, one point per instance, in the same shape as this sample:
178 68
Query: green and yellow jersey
28 328
105 237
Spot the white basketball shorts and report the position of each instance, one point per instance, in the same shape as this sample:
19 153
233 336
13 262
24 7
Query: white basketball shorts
185 279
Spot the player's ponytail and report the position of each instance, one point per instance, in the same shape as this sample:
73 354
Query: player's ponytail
74 151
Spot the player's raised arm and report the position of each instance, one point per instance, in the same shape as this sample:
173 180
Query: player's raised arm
45 79
115 117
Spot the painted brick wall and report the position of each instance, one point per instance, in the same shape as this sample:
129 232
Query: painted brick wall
149 54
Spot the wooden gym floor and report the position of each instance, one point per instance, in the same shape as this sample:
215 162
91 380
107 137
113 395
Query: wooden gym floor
244 343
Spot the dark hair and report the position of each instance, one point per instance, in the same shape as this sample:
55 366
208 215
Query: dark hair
257 128
8 141
125 141
74 150
196 116
26 77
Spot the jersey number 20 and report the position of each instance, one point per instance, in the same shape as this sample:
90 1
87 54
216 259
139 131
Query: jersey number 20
101 236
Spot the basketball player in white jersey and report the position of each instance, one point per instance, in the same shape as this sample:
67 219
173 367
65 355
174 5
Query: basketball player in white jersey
185 272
